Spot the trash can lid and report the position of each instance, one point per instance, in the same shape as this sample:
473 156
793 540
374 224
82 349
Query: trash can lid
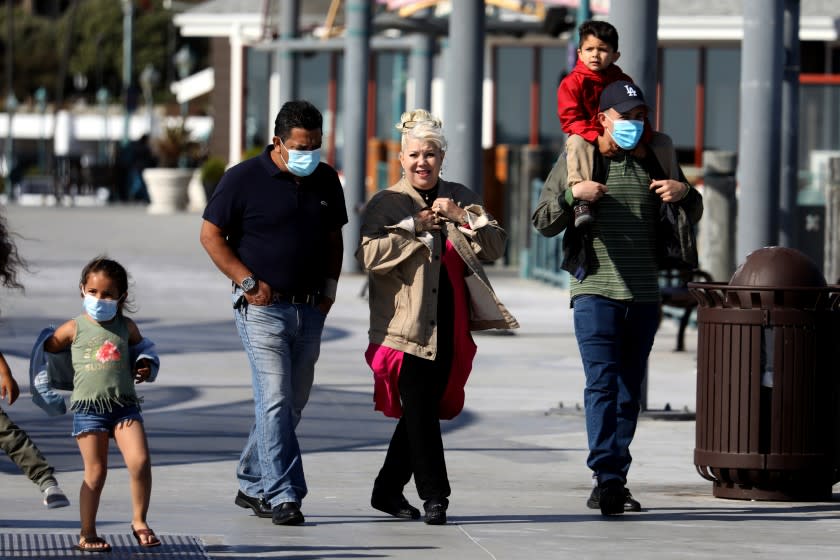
778 266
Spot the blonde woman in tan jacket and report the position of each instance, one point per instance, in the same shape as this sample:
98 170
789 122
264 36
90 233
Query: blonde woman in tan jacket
422 241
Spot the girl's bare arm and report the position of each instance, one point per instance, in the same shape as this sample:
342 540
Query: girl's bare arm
62 338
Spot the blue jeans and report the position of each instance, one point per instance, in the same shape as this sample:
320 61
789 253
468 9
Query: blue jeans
615 339
283 342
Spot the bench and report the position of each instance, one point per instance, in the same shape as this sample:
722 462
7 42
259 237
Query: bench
673 286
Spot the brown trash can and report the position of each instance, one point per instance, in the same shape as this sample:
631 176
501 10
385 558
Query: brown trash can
767 380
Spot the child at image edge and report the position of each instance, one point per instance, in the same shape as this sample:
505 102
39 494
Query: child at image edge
104 401
579 93
13 440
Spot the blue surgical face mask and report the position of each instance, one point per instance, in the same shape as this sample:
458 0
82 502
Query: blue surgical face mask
303 162
626 133
100 309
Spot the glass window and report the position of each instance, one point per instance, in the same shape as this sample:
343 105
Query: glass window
513 71
553 66
314 74
679 100
723 89
819 131
256 98
314 71
390 93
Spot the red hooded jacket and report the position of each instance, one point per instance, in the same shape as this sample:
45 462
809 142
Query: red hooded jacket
578 96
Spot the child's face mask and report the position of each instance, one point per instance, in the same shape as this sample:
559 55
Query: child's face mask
100 309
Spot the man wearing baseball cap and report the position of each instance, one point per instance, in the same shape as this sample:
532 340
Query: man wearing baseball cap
616 263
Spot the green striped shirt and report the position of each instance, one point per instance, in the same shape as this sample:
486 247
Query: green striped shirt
624 237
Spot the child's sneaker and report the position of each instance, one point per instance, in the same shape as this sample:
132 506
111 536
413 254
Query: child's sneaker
55 498
583 214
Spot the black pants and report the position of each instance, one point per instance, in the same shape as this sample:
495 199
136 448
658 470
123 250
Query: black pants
417 446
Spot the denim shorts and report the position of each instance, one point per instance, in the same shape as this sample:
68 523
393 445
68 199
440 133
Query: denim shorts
105 421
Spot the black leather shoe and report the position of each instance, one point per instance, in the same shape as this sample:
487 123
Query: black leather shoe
435 511
287 513
260 506
397 506
630 503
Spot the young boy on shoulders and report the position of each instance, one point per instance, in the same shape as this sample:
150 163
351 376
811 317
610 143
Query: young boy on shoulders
578 97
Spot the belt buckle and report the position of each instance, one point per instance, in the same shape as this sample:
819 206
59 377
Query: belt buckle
301 300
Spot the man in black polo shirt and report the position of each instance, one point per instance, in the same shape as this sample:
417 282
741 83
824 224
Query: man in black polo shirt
273 226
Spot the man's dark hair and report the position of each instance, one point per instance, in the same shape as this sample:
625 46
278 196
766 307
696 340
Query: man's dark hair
600 30
297 114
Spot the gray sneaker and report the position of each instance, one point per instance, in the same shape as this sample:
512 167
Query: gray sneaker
55 498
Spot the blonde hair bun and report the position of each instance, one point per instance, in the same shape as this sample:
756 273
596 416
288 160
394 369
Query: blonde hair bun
410 119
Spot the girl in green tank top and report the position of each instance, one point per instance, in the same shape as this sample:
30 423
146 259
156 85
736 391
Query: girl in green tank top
104 401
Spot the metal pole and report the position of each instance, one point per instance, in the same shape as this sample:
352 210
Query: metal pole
128 15
357 52
10 95
758 143
398 78
287 59
463 93
637 25
582 14
420 70
789 181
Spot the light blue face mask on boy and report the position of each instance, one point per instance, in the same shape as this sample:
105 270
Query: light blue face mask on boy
303 162
100 309
626 133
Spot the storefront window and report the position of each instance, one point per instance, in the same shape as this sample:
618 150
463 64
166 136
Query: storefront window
679 100
819 131
723 86
513 71
553 66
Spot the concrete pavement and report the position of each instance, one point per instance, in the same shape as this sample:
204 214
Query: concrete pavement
516 458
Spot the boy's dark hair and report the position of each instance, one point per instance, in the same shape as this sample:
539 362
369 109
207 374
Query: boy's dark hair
10 261
113 270
600 30
297 114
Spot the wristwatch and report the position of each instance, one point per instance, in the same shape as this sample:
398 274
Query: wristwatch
248 283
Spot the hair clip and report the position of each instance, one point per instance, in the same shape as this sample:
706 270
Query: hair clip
408 125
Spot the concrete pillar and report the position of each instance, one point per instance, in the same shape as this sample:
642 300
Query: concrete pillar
716 238
237 101
832 223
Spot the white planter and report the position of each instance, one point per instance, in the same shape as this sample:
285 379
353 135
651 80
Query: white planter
198 198
167 189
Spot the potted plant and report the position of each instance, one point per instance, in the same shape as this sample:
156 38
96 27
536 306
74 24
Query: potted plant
211 173
168 182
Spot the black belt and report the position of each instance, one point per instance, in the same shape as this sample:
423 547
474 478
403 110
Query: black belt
296 299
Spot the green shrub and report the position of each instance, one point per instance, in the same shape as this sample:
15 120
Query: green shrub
212 170
253 151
